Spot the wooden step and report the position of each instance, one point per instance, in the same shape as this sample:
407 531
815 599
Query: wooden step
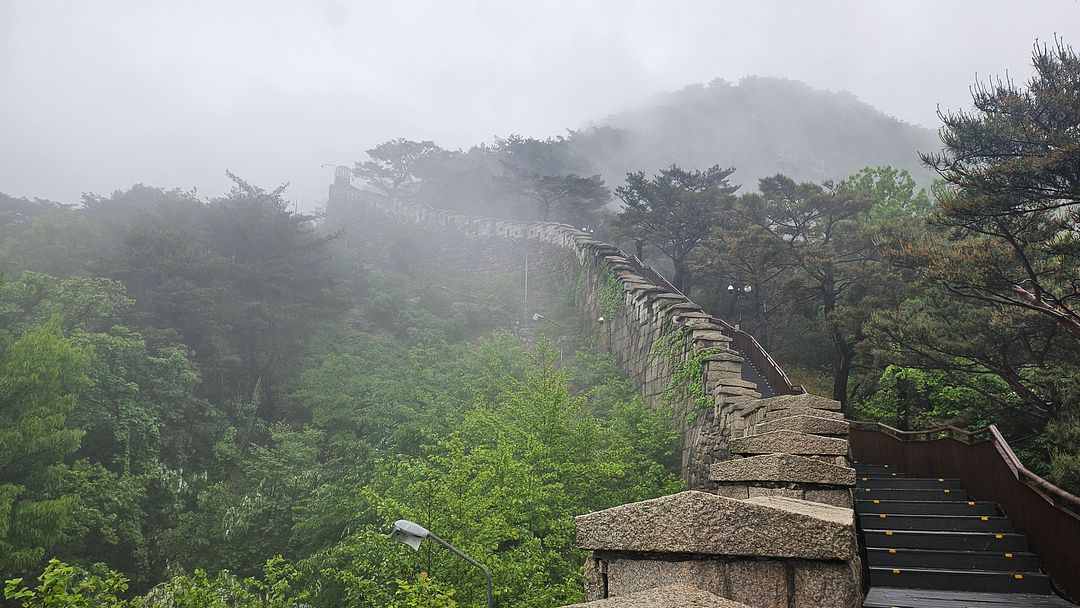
943 494
956 541
958 560
907 483
893 597
937 523
960 580
877 469
927 507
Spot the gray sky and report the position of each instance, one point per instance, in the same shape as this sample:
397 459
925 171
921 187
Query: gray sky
98 95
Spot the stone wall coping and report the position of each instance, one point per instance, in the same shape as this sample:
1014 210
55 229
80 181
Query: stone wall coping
782 467
699 523
789 442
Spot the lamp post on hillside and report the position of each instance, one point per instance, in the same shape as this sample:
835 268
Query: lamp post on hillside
735 294
412 534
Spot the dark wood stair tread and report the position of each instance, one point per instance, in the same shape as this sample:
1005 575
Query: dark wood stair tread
893 597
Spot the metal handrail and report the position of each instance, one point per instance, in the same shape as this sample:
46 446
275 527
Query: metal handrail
1053 494
740 339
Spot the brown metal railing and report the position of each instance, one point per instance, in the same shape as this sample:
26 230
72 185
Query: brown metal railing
740 340
989 469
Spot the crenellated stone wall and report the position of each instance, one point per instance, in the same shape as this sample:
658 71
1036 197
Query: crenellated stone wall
674 352
776 528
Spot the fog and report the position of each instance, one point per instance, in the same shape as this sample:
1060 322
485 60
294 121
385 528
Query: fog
100 95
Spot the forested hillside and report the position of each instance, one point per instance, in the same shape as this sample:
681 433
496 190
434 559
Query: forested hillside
216 396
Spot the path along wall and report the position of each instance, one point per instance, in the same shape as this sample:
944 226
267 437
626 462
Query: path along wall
776 529
674 352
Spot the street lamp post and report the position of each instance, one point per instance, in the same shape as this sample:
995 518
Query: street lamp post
412 533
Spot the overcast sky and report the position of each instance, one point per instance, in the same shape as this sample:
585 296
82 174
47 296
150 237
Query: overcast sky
100 95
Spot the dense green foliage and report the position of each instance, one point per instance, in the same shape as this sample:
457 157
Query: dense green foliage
213 402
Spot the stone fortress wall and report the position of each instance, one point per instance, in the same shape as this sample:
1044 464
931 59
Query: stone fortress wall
774 525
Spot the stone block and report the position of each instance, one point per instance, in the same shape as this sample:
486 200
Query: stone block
678 595
813 425
625 576
803 400
820 584
754 491
837 497
595 571
759 583
782 467
789 442
738 491
699 523
802 411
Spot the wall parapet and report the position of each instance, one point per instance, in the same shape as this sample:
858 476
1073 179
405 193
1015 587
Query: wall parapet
674 352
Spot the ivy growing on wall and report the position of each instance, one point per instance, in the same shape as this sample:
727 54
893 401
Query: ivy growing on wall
687 373
610 294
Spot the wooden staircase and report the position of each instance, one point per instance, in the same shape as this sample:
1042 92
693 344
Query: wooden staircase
929 544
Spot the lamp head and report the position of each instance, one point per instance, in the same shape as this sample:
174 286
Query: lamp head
408 532
601 320
730 288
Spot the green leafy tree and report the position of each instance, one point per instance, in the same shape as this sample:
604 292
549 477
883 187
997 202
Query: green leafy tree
392 169
568 198
674 211
40 376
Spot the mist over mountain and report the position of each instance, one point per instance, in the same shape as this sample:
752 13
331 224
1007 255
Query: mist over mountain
760 126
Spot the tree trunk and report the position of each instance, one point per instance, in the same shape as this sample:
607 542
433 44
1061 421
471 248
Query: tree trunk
681 279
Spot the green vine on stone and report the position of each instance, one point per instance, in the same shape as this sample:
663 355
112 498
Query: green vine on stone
611 293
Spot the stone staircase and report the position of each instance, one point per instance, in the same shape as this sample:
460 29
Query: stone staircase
928 543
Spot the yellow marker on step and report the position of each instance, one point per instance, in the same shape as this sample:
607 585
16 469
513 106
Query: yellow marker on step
882 516
888 532
998 536
877 502
941 480
892 550
946 491
1008 555
896 571
1018 576
971 503
985 518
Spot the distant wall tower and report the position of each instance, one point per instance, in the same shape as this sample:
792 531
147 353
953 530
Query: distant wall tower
342 176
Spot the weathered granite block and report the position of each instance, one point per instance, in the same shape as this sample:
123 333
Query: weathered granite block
668 596
837 497
802 411
813 425
699 523
827 584
789 442
803 400
626 576
759 583
782 467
